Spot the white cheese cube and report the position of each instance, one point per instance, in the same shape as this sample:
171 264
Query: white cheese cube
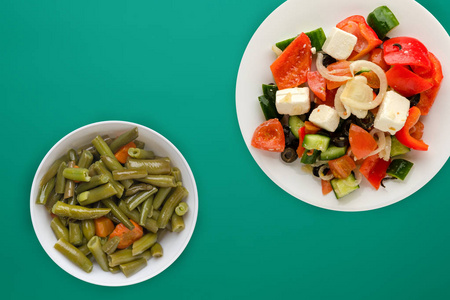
392 113
325 117
294 101
339 44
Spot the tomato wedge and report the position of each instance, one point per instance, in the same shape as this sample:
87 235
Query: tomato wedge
326 187
374 169
376 56
341 167
291 67
339 68
362 143
405 82
269 136
317 84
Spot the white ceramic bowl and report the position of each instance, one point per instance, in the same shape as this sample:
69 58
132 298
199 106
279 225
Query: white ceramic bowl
172 243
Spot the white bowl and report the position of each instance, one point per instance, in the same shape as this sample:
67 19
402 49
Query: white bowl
172 243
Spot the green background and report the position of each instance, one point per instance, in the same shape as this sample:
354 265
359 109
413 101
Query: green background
172 66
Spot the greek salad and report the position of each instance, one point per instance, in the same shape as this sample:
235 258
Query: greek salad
348 103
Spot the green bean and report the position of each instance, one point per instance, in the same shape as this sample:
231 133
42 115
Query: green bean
137 187
134 201
132 267
75 234
176 173
140 153
125 255
72 154
97 194
59 229
159 180
45 191
52 171
114 270
74 255
169 206
83 248
156 250
150 224
155 214
139 144
95 181
88 228
89 147
118 213
60 184
72 200
111 245
77 174
146 209
160 196
52 199
124 139
129 174
112 164
177 223
69 189
113 218
95 247
100 168
101 146
144 243
78 212
157 166
86 159
181 209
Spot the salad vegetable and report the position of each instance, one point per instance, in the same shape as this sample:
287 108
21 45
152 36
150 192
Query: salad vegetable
346 103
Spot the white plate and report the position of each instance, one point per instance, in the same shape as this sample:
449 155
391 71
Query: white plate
293 17
173 243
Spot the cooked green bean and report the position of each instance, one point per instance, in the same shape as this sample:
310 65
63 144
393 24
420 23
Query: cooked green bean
156 250
78 212
137 187
134 201
114 270
160 196
150 224
72 200
95 181
118 213
132 267
69 189
74 255
45 191
60 184
52 171
124 139
140 153
176 173
72 154
129 174
157 166
89 147
169 206
52 199
146 210
111 245
83 248
77 174
181 209
177 223
159 180
95 247
101 146
59 229
112 164
123 256
97 194
144 243
88 228
75 233
139 144
85 159
100 168
155 214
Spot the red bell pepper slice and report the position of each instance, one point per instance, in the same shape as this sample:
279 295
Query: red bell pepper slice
367 38
434 76
317 84
301 137
406 51
403 135
405 82
376 56
290 68
374 169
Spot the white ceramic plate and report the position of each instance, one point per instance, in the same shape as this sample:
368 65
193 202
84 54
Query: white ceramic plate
173 243
295 16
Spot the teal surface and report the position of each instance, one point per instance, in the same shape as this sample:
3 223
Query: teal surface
172 66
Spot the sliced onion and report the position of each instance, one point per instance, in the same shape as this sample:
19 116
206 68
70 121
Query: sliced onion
358 177
385 154
381 141
276 50
324 71
343 111
323 176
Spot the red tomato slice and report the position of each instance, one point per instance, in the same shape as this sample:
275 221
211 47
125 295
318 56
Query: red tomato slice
374 169
376 56
317 84
269 136
405 82
339 68
326 187
361 142
342 167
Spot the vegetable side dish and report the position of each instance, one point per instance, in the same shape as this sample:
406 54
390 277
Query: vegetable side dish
110 200
369 92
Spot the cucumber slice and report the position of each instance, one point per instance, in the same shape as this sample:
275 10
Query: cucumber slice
310 156
333 152
316 141
283 44
343 187
399 168
295 123
317 38
382 20
397 148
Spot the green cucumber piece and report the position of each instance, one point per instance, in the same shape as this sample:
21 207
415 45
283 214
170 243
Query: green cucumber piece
317 38
333 152
399 168
316 141
310 156
382 20
270 91
343 187
268 108
295 123
397 148
283 44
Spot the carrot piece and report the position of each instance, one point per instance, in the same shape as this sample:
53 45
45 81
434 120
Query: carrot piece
127 236
326 187
103 226
122 153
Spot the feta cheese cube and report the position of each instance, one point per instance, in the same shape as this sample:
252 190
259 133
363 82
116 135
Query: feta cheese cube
293 101
392 113
325 117
339 44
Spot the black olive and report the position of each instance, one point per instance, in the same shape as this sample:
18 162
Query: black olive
316 170
413 100
289 139
366 122
289 155
340 141
327 60
323 132
346 127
